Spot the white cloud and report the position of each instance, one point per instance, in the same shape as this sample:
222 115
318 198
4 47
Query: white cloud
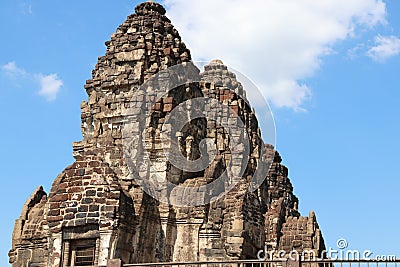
26 9
12 70
385 47
277 42
356 51
288 93
49 86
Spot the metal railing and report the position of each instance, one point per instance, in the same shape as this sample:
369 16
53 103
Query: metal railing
351 263
233 263
276 263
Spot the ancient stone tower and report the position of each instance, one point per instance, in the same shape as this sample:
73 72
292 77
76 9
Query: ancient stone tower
97 209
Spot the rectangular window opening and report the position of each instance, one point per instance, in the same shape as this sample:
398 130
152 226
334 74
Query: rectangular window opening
82 253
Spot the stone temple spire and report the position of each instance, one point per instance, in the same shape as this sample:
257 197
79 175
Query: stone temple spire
150 6
98 209
144 44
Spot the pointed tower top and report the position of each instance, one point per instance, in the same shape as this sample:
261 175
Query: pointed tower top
216 62
150 7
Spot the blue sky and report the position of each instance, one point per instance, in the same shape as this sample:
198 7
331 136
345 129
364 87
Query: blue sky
330 74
